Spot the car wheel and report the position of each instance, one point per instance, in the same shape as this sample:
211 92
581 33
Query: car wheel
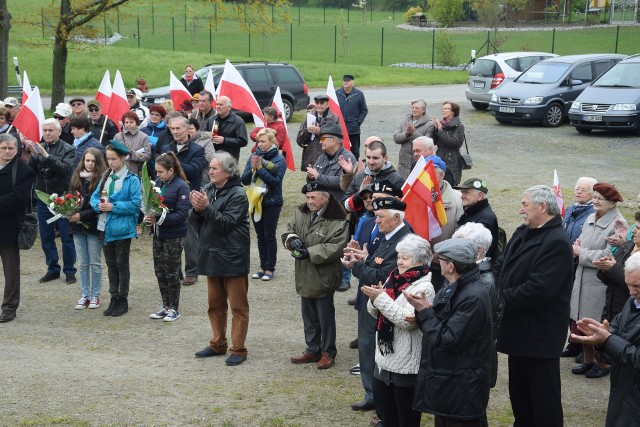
503 121
553 116
288 109
479 105
583 130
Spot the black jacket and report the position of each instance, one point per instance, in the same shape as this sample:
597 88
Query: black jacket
497 308
191 159
88 216
176 197
453 380
353 107
234 131
110 130
53 174
535 275
482 213
14 200
389 173
196 85
617 293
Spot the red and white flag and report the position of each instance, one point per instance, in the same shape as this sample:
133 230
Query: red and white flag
210 86
179 93
233 85
558 191
279 105
29 119
26 88
334 107
119 104
104 92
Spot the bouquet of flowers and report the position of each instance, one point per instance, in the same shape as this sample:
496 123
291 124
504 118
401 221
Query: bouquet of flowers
152 201
61 206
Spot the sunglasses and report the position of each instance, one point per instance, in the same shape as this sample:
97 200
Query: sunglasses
77 104
58 117
93 109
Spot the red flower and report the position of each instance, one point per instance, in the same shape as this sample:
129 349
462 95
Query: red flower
69 196
161 198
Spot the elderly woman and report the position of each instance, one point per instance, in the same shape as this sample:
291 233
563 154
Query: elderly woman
137 141
271 122
398 341
220 211
449 137
588 295
576 214
416 124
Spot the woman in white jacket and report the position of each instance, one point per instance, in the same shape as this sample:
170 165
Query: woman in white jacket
398 341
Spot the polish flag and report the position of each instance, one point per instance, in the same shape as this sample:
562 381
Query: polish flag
179 93
334 107
279 105
119 104
104 92
26 88
233 86
558 191
210 86
30 117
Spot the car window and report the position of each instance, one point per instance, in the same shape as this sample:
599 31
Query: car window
257 76
286 75
602 66
484 67
583 73
621 75
514 63
528 61
544 73
203 72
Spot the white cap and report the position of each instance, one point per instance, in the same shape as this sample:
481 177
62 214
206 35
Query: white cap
135 92
13 102
63 110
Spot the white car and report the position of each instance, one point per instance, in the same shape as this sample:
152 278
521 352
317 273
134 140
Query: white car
490 71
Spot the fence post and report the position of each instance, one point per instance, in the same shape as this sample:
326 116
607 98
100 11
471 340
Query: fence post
42 20
382 48
433 48
335 43
139 36
488 41
348 12
324 13
299 3
153 21
118 18
393 10
173 33
617 36
215 14
185 18
249 40
210 36
553 40
291 42
272 18
371 11
105 28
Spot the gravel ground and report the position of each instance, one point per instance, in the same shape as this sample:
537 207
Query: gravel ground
78 368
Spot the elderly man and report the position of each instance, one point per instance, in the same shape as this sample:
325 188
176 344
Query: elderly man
229 130
422 147
327 170
78 106
52 162
16 181
372 266
477 209
205 114
134 96
12 104
620 340
308 135
63 115
221 213
354 110
316 236
101 131
454 375
535 275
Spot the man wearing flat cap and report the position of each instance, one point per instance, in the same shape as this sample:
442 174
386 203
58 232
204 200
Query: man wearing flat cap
354 110
372 266
103 132
327 169
309 134
454 375
476 209
78 107
316 236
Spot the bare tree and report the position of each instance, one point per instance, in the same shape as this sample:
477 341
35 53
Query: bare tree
5 26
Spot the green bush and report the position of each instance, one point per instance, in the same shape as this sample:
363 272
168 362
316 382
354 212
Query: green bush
446 12
445 49
408 15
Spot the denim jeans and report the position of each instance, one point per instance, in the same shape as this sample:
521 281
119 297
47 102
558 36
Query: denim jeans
266 232
48 242
89 253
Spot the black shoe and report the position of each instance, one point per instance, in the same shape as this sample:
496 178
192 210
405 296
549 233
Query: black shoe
572 350
235 360
579 358
344 286
49 277
207 352
363 406
7 316
597 372
71 279
121 308
353 344
582 369
112 306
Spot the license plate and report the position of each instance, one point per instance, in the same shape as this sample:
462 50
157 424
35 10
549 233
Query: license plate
507 109
478 85
592 118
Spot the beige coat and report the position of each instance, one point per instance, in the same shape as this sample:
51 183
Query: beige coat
424 127
588 295
452 201
136 141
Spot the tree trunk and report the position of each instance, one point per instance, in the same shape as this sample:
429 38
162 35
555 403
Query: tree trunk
5 26
60 53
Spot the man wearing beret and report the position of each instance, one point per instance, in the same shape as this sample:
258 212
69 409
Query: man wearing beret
309 134
454 375
354 110
101 131
535 276
373 266
316 236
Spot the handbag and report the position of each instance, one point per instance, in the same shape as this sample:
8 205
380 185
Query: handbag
465 159
28 225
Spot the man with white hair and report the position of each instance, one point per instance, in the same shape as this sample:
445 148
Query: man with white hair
620 340
422 147
134 96
535 275
229 130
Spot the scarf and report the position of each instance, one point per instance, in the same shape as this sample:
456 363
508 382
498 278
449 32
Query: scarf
84 174
258 188
393 287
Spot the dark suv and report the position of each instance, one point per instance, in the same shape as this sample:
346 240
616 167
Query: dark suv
262 77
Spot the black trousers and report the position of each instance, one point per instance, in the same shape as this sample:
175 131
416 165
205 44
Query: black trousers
396 405
116 256
354 140
535 392
11 265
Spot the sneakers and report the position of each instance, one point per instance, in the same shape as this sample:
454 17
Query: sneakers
94 303
258 275
267 276
172 315
49 277
355 370
82 303
160 314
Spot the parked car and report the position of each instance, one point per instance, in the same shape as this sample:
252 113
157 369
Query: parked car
492 71
262 77
612 102
544 92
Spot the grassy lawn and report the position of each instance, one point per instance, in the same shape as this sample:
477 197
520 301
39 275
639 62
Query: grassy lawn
319 42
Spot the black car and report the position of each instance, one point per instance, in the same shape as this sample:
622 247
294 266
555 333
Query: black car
263 79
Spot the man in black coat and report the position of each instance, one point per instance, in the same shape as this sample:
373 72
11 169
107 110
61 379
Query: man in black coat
231 133
535 275
98 123
354 110
14 198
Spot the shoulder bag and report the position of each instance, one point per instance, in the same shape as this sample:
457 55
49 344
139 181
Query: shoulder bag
465 159
28 224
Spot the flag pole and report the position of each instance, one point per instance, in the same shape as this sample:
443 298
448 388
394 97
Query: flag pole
104 125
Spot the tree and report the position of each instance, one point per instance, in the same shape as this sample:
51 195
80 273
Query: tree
5 26
446 12
73 14
492 12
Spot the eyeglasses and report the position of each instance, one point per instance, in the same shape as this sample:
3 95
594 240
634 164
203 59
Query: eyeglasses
581 190
155 114
93 109
58 117
77 104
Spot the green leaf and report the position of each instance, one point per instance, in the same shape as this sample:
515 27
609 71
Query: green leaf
43 197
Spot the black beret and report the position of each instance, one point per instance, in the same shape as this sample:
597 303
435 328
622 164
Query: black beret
314 186
386 187
389 203
348 77
331 129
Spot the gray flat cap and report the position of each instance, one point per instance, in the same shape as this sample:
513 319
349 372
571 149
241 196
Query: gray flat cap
459 250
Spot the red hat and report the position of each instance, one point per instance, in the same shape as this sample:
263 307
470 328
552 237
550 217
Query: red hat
158 109
608 191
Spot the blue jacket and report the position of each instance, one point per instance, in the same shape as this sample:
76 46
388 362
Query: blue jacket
192 161
354 109
574 217
273 196
122 220
176 197
90 142
155 132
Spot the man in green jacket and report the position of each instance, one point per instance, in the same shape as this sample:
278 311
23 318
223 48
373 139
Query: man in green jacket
316 236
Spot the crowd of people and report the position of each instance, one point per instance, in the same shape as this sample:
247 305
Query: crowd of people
431 315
